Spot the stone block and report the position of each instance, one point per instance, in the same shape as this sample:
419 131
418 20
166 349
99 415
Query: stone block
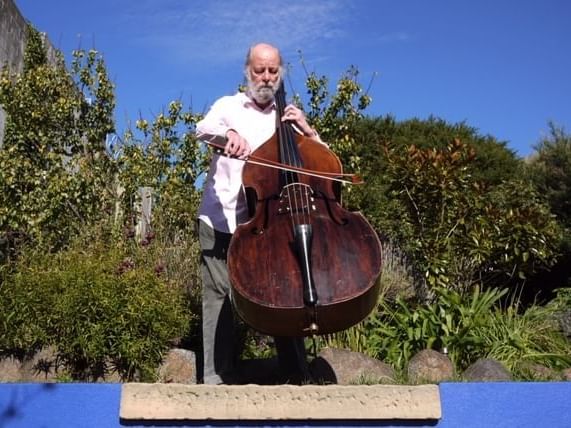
176 402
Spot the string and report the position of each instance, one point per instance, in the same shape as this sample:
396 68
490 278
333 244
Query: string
298 194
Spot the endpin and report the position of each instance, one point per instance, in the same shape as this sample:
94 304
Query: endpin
313 328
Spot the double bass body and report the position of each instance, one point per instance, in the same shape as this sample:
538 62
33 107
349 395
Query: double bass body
302 265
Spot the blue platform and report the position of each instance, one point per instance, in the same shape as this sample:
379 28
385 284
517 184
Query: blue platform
465 405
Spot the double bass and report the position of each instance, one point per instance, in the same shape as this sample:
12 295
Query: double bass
301 265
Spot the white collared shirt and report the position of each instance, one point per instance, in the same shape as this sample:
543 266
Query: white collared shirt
223 204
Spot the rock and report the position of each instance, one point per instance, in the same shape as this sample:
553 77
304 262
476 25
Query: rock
565 323
539 372
345 367
566 374
111 377
278 405
430 366
486 369
179 366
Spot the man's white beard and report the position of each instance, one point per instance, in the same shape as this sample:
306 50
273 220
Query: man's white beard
262 93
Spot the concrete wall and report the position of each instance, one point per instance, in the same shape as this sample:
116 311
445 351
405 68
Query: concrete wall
12 40
466 405
12 44
12 35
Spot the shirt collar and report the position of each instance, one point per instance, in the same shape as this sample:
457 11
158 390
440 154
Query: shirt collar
249 102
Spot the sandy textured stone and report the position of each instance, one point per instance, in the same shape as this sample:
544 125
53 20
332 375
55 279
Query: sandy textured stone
141 401
430 366
179 366
487 370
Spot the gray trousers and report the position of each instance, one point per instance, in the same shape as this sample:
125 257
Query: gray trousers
220 333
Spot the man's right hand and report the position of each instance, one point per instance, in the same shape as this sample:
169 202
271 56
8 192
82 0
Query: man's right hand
236 145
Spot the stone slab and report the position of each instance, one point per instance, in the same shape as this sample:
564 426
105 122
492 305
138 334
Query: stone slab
141 401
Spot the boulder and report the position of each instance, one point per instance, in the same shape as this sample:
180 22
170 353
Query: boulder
539 372
486 369
430 366
344 367
178 366
565 323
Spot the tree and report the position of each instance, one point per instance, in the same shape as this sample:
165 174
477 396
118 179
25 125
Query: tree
491 164
453 200
335 115
163 154
550 170
53 168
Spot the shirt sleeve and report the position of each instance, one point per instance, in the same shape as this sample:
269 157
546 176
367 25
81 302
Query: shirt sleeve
213 127
315 137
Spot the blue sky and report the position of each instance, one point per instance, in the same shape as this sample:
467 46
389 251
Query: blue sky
502 66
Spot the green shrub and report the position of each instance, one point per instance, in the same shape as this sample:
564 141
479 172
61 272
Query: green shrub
469 326
21 310
400 330
103 307
441 213
519 340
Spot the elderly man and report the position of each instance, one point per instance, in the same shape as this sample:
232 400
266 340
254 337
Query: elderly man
242 122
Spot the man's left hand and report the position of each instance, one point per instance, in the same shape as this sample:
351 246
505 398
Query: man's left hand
297 116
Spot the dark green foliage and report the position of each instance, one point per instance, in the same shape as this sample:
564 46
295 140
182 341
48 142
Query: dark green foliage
490 164
399 331
550 170
523 233
469 326
493 161
454 202
102 305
